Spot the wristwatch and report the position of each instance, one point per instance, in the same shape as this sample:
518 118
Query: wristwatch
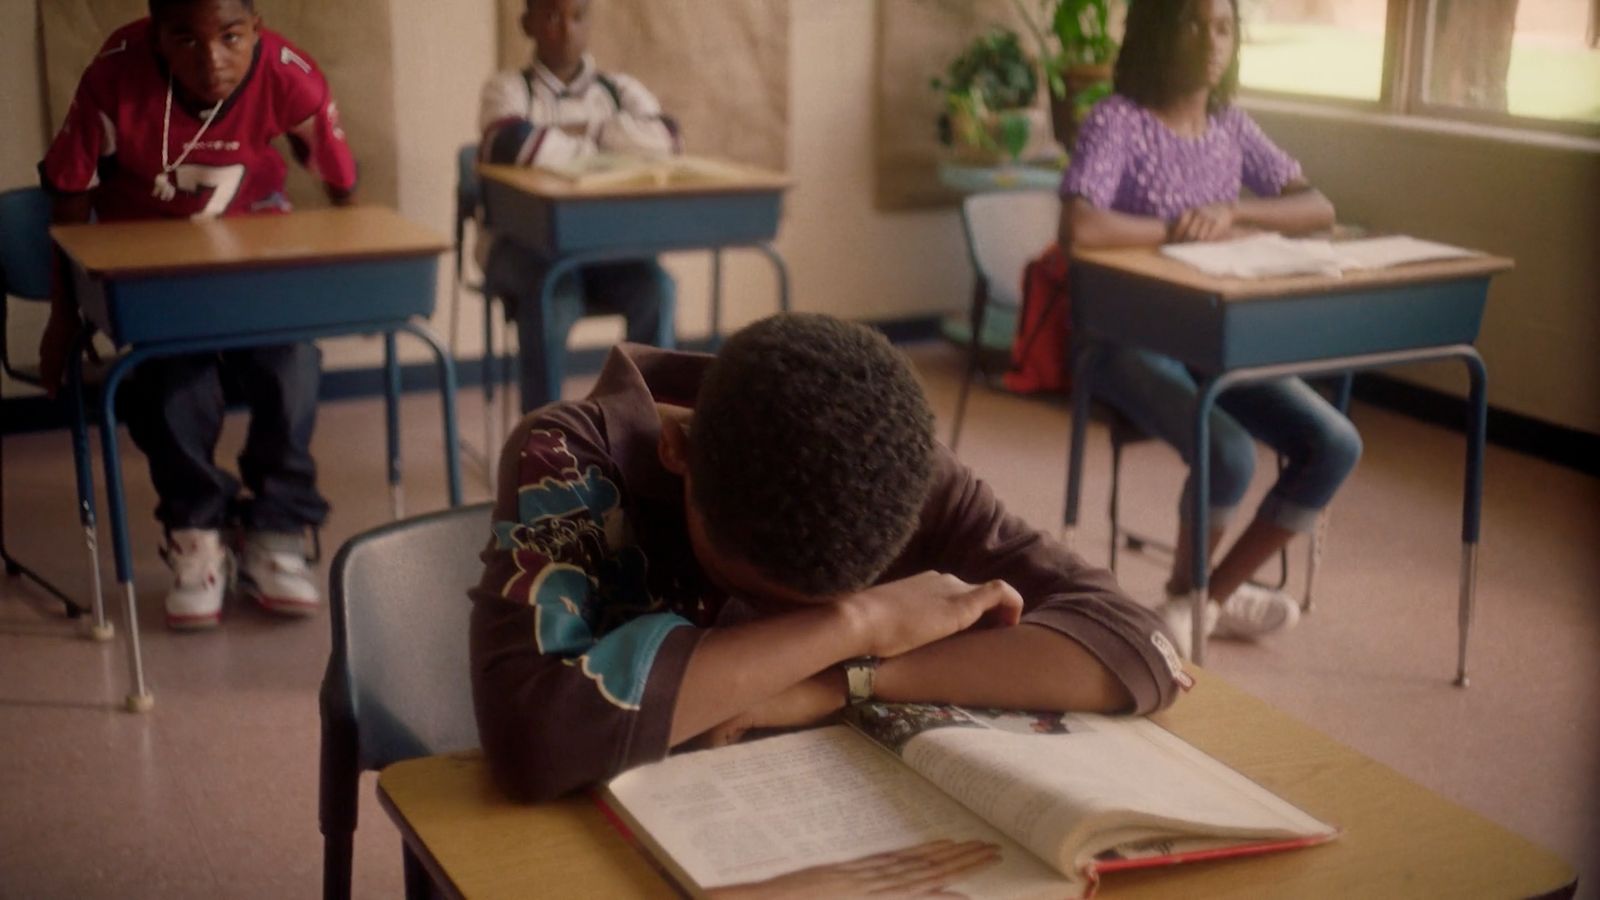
859 674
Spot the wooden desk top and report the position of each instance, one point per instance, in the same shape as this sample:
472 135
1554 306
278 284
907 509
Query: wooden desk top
1400 839
177 245
553 187
1148 262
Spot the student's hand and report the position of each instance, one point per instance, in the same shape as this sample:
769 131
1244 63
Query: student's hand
1212 222
806 703
900 616
54 345
920 871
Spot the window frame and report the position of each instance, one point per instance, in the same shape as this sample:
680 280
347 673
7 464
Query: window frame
1401 83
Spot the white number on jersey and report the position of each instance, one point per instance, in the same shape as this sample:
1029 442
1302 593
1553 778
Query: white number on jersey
290 58
223 181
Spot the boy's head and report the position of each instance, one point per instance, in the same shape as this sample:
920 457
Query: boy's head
208 45
808 459
560 33
1174 47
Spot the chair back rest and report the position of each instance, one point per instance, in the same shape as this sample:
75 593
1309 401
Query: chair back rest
25 255
1005 231
468 193
400 617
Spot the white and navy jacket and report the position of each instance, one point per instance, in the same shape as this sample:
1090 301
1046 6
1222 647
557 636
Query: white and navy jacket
524 113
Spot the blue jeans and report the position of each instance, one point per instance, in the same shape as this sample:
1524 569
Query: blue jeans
174 407
639 290
1320 447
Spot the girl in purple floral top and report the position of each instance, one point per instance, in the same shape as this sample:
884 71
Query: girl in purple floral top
1164 159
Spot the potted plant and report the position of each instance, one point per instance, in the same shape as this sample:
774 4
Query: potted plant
1077 52
989 90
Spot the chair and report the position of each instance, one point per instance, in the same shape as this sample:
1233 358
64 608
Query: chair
397 683
26 256
1005 230
496 365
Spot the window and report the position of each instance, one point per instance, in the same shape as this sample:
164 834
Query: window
1528 63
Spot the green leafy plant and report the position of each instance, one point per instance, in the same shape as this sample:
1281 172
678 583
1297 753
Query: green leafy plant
1079 34
995 68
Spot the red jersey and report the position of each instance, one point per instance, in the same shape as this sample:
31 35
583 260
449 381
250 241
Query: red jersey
110 143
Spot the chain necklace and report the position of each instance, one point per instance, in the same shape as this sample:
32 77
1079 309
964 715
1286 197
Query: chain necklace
164 189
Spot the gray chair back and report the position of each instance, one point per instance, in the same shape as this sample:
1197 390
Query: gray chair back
1005 230
397 684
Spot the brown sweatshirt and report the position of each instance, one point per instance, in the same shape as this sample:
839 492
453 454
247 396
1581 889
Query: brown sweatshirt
592 601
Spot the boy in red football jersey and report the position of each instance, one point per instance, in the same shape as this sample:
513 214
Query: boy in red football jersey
174 119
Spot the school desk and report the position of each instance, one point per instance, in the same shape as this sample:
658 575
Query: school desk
167 288
574 226
1400 839
1234 331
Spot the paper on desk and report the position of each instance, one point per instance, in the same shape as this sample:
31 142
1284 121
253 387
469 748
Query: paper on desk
1273 255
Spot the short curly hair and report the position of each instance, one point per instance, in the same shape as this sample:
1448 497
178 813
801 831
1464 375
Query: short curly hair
1147 65
159 7
811 451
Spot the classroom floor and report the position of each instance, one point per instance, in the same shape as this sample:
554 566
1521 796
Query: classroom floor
214 792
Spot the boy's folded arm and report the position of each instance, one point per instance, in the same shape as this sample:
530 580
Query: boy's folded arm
552 719
1106 652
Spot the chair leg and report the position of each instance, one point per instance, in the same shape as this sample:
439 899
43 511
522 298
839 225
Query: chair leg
980 301
1319 535
1116 497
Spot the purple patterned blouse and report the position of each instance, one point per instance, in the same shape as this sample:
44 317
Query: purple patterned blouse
1130 161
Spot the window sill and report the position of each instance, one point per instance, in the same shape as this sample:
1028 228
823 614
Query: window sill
1428 125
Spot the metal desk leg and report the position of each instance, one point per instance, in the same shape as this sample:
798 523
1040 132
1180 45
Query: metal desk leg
139 698
391 418
491 373
100 629
1199 511
1471 503
716 298
447 395
552 372
1082 390
782 270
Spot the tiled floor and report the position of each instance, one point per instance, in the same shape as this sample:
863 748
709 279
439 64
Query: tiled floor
214 792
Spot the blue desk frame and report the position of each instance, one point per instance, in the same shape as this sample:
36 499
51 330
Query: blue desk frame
573 230
1333 328
174 314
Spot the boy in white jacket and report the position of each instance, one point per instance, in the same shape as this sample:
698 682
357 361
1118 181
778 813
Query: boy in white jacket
559 109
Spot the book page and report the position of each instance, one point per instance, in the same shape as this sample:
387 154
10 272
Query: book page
1071 786
1395 250
753 811
1258 256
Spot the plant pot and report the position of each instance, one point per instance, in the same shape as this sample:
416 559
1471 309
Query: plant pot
1064 110
978 142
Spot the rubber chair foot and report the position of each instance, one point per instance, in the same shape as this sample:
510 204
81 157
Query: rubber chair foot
100 634
140 703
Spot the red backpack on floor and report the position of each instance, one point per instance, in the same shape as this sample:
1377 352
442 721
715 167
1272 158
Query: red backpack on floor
1039 351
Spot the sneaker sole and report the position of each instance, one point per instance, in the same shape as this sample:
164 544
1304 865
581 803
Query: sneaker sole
199 622
283 606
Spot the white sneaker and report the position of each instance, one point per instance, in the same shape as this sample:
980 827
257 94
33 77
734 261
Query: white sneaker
1178 613
274 572
1253 612
200 570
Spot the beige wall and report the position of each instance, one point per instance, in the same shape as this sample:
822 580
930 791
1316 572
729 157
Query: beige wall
1538 203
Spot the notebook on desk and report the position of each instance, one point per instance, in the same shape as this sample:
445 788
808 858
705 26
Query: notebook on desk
1272 255
987 803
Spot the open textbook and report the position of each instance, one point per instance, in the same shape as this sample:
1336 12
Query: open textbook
1273 255
619 170
1010 805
